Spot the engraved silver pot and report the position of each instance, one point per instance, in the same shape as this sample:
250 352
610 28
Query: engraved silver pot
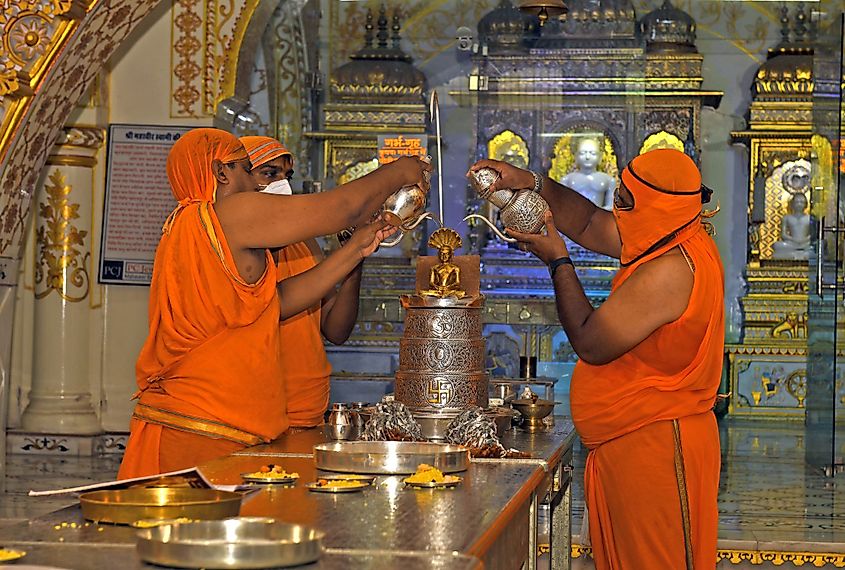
521 210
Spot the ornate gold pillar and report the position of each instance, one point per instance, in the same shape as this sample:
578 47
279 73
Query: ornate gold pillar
60 397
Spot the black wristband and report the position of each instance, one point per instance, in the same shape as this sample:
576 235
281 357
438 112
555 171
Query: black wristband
557 263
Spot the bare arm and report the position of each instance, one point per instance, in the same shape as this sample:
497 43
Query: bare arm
253 220
339 309
341 312
577 217
656 293
301 291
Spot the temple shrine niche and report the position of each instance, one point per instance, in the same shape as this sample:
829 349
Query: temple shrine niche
790 165
575 99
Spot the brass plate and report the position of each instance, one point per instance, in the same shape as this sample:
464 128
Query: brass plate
250 478
129 505
7 554
323 489
450 481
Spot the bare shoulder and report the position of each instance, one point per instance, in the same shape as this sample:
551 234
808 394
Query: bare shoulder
664 283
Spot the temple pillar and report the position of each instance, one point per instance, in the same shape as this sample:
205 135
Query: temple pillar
60 397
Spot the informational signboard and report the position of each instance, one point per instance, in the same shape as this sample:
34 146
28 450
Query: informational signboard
392 147
137 201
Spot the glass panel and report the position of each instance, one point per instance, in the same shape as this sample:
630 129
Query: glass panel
824 370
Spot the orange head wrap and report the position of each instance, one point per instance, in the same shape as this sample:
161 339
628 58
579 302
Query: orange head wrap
189 163
667 192
264 149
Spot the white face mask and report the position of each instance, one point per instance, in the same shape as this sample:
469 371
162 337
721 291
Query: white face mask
280 187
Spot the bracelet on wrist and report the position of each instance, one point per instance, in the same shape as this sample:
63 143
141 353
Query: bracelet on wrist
538 181
565 260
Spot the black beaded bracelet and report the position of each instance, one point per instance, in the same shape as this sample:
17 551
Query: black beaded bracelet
557 263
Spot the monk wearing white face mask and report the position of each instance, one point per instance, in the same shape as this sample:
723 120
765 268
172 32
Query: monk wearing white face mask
318 298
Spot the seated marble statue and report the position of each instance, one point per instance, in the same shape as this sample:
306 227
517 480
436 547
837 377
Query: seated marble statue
445 277
593 184
795 231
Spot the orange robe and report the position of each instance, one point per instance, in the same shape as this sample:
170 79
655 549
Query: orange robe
652 474
305 367
211 361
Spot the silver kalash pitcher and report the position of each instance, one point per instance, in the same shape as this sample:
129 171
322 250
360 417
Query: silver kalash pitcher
405 209
521 210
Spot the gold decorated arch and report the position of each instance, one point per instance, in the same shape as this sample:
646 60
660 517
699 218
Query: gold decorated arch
661 139
509 147
357 170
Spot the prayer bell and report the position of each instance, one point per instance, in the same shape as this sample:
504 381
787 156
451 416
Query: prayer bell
544 9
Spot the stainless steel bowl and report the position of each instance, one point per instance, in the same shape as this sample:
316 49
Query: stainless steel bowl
232 543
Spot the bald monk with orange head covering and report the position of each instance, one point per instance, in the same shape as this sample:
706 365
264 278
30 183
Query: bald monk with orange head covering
328 311
209 374
650 360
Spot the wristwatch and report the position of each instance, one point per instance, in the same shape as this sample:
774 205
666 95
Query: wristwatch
344 235
557 263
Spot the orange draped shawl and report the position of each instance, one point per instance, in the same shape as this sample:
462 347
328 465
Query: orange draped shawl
305 367
652 474
210 366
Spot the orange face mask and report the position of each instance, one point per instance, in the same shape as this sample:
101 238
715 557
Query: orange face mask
667 195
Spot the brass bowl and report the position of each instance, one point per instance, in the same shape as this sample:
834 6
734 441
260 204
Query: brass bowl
129 505
533 412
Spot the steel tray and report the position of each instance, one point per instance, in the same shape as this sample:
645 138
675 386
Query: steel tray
389 457
233 543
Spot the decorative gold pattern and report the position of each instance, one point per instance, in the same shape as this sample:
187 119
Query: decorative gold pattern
796 385
509 147
62 260
661 139
785 74
187 24
205 45
80 42
755 557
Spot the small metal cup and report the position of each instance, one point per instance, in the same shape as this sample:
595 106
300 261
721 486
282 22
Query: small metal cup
343 424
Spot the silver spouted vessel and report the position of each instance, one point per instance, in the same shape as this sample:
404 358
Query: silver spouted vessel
521 210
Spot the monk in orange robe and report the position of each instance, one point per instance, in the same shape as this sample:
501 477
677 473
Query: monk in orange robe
329 311
209 374
650 359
